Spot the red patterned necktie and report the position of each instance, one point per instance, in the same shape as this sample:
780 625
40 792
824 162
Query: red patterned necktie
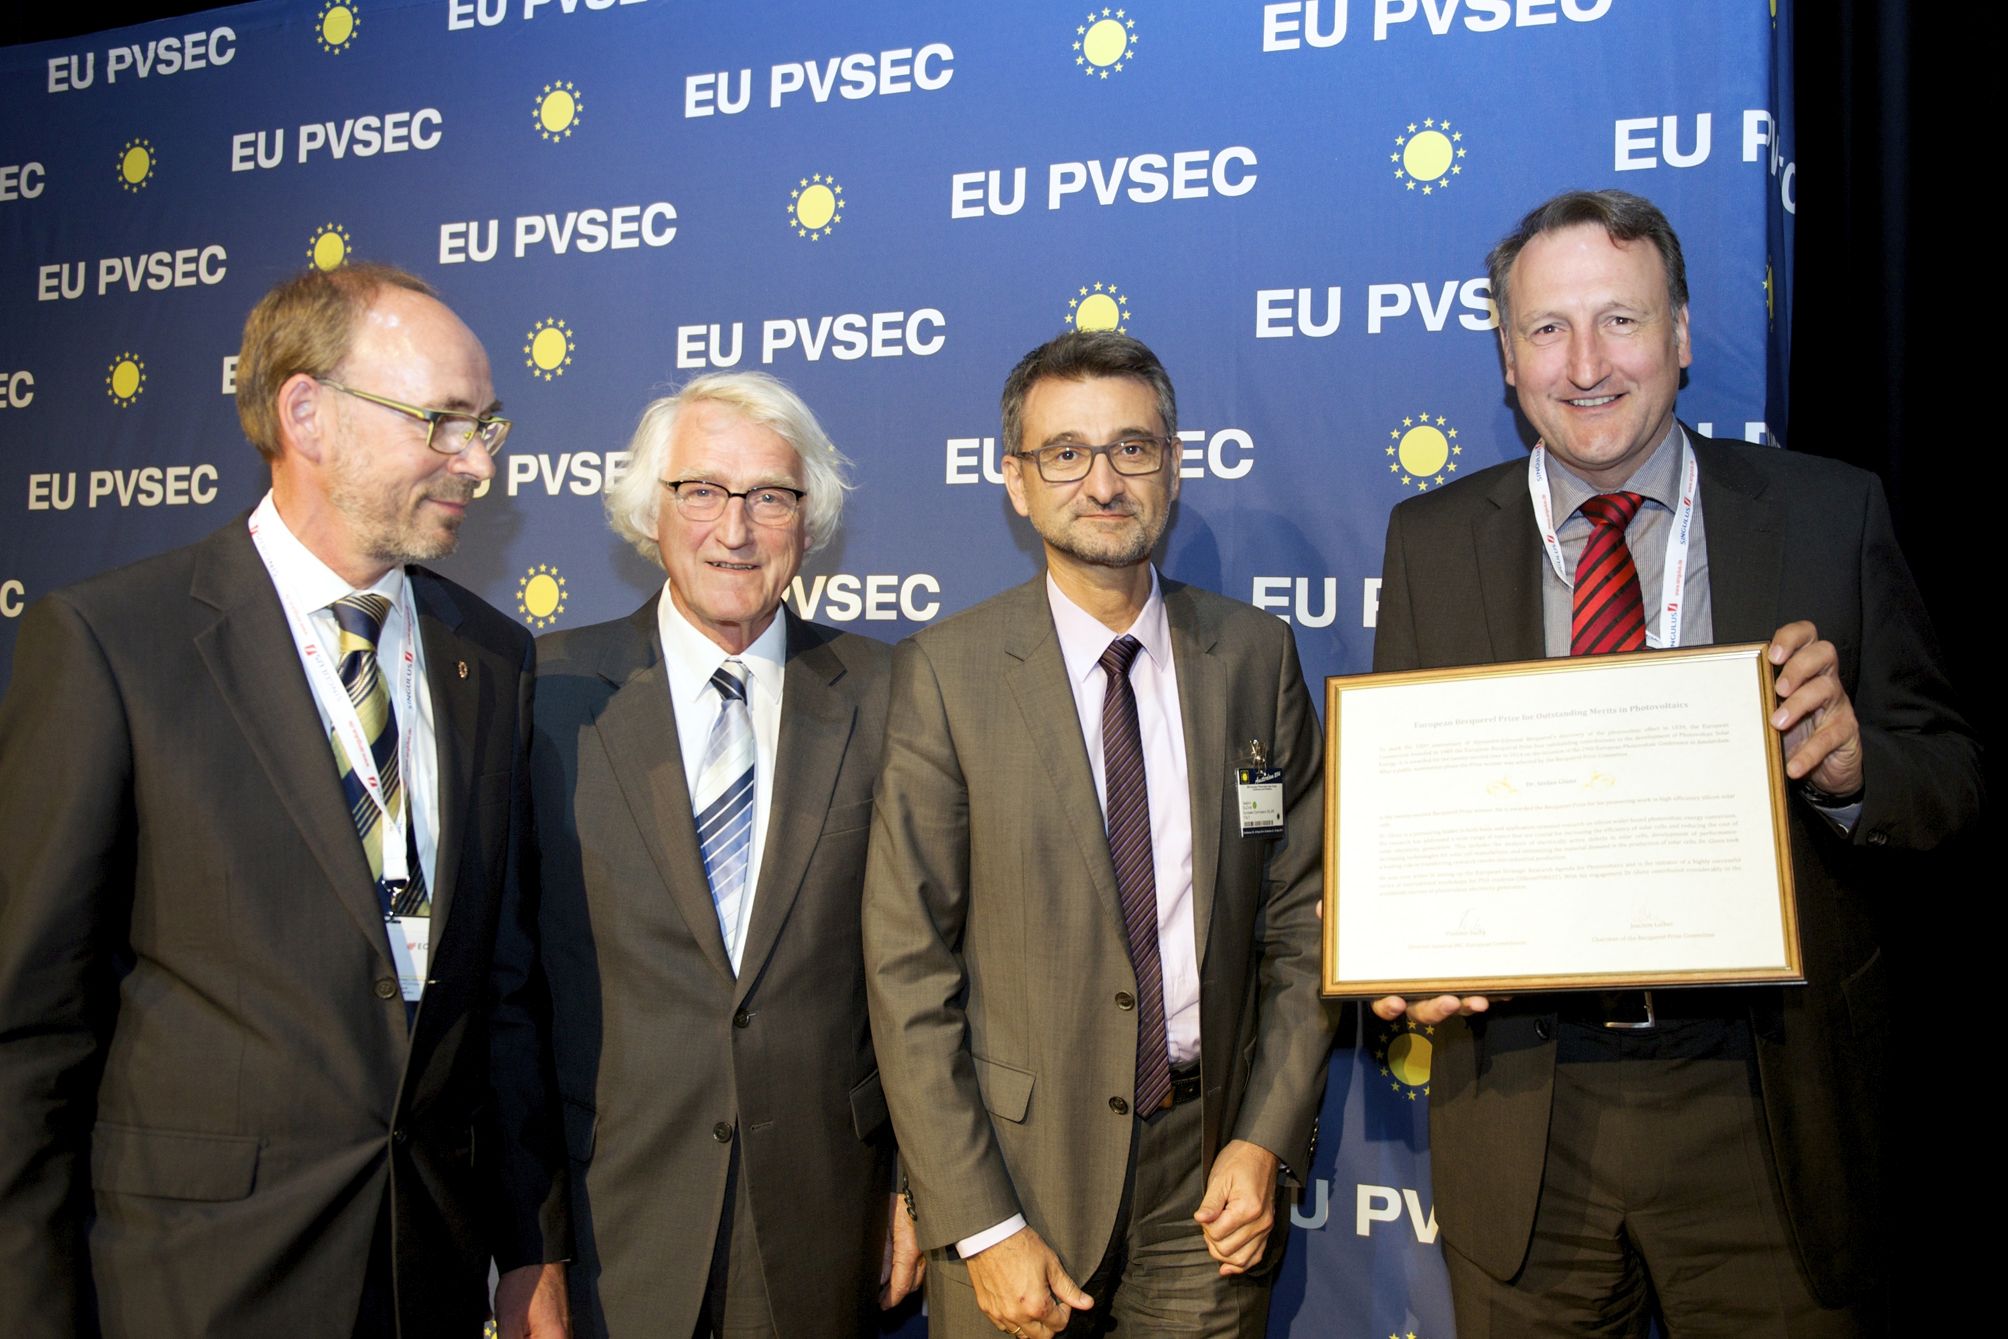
1136 872
1609 609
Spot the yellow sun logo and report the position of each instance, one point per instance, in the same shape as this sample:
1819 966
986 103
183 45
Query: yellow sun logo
330 246
815 206
540 595
1101 308
558 110
1422 451
335 26
136 162
1104 42
1428 155
549 349
1402 1051
125 378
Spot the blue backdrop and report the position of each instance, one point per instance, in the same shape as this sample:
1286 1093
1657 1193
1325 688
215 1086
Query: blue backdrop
886 205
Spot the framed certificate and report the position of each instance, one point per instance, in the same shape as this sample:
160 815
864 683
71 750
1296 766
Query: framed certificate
1604 822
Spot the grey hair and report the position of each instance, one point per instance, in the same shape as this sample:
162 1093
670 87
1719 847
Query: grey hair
1082 355
633 502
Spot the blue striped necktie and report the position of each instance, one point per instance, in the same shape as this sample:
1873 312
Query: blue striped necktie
723 802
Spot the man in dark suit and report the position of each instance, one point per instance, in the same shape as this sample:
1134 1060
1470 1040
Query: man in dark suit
702 775
1094 984
1711 1154
271 1058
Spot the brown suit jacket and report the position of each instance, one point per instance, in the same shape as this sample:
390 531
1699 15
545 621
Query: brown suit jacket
665 1059
999 971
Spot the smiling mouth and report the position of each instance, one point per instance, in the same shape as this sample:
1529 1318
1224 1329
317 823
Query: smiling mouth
1592 402
734 567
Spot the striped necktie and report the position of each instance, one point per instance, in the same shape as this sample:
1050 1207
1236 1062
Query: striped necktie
723 802
360 618
1609 612
1128 801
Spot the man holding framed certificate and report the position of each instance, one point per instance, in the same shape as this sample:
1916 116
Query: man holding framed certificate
1709 1153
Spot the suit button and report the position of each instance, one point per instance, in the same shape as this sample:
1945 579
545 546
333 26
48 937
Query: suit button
743 1018
385 988
1120 1107
400 1136
722 1132
1125 1000
1543 1029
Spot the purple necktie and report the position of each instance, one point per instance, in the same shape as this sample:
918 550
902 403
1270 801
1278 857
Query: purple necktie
1136 878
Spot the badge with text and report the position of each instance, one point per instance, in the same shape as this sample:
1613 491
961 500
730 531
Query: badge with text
1258 792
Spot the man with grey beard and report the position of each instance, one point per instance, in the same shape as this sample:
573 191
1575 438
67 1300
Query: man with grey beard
272 1057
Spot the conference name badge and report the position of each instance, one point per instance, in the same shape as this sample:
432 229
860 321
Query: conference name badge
410 946
1258 792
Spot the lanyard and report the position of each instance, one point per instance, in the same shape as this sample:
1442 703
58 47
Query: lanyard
334 699
1673 573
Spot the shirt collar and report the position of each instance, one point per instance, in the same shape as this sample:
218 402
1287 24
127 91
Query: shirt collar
1657 479
309 584
1083 637
692 658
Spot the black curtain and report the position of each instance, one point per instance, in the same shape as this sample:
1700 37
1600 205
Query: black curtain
1891 322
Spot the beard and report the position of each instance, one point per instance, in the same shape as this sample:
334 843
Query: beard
387 517
1096 543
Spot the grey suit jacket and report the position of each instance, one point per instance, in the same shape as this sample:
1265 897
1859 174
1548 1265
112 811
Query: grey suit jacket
665 1059
999 971
206 1083
1790 537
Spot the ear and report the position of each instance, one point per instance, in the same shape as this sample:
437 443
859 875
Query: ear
305 423
1014 483
1680 337
1506 352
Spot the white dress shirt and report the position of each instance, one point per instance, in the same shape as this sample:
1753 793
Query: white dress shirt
1154 681
691 658
310 587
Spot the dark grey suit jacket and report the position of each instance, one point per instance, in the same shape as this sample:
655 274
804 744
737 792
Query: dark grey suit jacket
665 1059
1001 987
207 1088
1789 537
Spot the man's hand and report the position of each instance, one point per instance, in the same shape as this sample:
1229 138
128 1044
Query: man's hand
530 1303
1240 1206
1431 1011
1024 1289
905 1267
1823 741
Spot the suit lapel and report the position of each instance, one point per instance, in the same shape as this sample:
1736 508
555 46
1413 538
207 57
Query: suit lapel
1507 553
456 711
1036 674
250 654
1744 532
1202 702
817 718
637 727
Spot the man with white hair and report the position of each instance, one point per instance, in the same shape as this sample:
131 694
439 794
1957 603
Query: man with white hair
702 774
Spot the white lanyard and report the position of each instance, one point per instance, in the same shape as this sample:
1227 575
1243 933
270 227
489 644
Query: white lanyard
1673 573
334 699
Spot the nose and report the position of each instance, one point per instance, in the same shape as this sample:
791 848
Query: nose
475 460
1103 483
1588 364
734 526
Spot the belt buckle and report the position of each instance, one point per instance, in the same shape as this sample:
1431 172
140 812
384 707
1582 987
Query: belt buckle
1651 1020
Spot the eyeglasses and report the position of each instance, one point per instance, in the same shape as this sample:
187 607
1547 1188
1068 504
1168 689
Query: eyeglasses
1070 462
460 429
702 500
